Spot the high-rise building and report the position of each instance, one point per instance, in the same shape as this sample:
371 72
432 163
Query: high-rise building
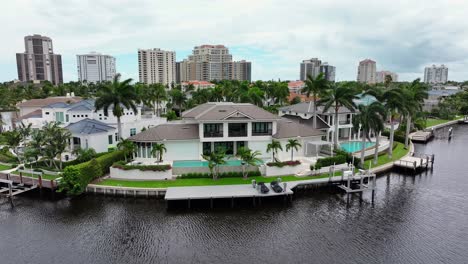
212 62
38 62
157 66
328 71
95 67
381 75
367 71
241 70
310 67
436 74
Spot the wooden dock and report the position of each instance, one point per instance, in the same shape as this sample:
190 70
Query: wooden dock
30 181
221 192
422 136
416 162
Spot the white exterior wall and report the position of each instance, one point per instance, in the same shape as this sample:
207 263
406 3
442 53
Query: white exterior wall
260 146
139 174
99 141
182 150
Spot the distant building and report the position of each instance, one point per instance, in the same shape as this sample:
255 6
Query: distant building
328 71
296 86
436 74
367 71
310 67
156 66
380 76
314 67
95 67
212 62
38 62
197 85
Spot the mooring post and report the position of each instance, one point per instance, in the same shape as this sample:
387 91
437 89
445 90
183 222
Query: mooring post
40 180
21 177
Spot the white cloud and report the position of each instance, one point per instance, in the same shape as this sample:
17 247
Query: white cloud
402 36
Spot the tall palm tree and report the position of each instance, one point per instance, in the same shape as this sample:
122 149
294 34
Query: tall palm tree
255 96
127 147
248 157
273 147
414 95
118 95
315 86
155 94
158 151
338 95
368 117
293 144
215 159
178 99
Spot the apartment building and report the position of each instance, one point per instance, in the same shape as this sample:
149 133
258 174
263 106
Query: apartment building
314 67
367 71
436 74
95 67
381 75
157 66
38 62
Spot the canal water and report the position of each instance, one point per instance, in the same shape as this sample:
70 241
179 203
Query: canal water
415 219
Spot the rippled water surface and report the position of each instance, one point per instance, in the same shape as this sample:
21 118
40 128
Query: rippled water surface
415 219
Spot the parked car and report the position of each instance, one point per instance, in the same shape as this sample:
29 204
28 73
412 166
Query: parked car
263 187
276 187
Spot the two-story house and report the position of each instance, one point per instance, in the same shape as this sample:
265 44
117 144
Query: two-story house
88 125
226 125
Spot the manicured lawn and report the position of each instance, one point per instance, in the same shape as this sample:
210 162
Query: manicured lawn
44 176
434 122
5 167
398 153
202 181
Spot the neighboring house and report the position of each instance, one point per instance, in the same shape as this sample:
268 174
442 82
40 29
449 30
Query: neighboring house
83 113
296 86
230 126
8 120
89 133
32 105
303 97
325 119
435 97
196 85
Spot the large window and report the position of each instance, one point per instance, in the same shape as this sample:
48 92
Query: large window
206 148
262 128
59 117
227 147
110 139
237 130
213 130
132 131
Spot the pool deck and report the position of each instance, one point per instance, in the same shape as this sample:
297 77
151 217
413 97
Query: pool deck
219 192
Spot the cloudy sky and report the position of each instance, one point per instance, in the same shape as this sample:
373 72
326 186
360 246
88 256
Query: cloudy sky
402 36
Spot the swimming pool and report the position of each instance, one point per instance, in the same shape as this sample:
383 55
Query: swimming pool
201 163
353 146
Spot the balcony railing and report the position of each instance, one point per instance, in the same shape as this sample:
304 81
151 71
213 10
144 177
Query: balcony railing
344 122
213 134
237 133
262 133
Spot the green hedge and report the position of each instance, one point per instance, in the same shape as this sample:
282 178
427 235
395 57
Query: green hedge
281 164
75 178
234 174
399 136
121 165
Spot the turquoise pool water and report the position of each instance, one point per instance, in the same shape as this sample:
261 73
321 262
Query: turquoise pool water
199 163
353 146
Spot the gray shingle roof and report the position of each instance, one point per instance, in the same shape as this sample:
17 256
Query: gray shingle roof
308 108
310 122
227 110
85 105
89 126
48 101
287 128
167 132
34 114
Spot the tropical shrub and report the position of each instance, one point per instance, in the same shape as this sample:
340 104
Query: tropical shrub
73 184
232 174
121 165
283 163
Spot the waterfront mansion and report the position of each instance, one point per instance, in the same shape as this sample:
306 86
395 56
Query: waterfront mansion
230 126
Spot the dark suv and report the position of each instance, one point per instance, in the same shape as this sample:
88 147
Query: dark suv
276 187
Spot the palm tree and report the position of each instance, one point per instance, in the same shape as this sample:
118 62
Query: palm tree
158 150
127 147
368 118
255 96
413 95
158 95
338 96
57 141
293 144
315 86
178 99
215 159
273 147
249 158
118 95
